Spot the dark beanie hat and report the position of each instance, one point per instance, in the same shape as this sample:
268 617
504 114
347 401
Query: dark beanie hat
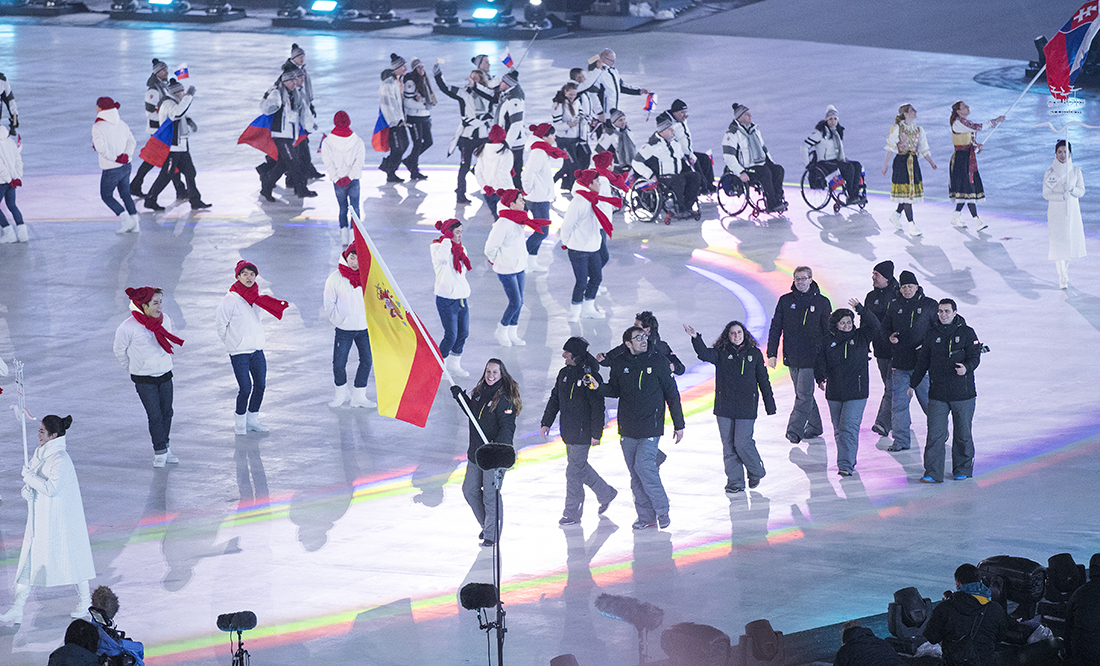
159 65
576 346
1094 565
907 277
679 105
885 269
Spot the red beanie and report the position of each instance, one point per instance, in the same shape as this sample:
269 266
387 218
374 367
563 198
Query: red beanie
140 295
105 103
349 250
342 124
497 134
242 264
603 160
445 226
507 197
586 176
541 130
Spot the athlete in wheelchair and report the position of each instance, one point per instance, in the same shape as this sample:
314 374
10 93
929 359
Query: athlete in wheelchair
823 153
662 184
747 159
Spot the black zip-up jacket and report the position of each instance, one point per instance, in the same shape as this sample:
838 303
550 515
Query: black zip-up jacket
739 372
581 408
842 361
803 321
656 344
910 318
499 423
878 302
862 648
957 618
943 347
643 384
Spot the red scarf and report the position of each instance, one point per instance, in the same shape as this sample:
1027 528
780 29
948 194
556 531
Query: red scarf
521 218
552 151
341 131
156 327
254 297
458 253
617 180
594 198
352 275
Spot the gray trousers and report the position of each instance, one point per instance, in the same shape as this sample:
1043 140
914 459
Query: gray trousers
805 420
847 416
885 416
481 495
900 405
962 441
739 452
578 474
650 499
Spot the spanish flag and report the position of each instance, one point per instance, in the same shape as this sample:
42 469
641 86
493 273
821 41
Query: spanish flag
407 363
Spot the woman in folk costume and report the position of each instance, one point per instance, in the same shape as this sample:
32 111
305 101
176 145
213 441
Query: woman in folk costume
507 253
966 183
587 219
544 161
143 345
56 550
494 167
452 290
907 143
239 327
343 303
1063 187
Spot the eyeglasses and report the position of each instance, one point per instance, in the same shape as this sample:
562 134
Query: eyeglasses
640 337
804 278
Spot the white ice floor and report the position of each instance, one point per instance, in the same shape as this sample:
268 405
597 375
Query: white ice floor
358 554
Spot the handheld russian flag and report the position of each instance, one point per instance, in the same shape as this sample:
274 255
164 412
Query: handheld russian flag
1065 52
156 149
380 140
258 135
836 181
322 141
650 100
302 135
508 60
181 73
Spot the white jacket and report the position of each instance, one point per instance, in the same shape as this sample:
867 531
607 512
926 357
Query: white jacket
11 162
177 111
538 175
343 156
580 230
239 325
449 283
743 147
561 117
111 137
137 349
56 549
823 144
391 100
494 167
506 247
344 303
666 152
510 116
1063 187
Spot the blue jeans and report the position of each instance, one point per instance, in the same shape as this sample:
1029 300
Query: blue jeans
251 373
588 272
650 499
343 196
157 400
899 403
513 288
540 210
605 256
962 440
117 179
7 193
491 201
847 417
340 349
455 315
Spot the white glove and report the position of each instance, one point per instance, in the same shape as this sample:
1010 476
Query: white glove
27 493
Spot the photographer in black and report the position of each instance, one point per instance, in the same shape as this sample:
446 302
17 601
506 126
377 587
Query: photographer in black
114 648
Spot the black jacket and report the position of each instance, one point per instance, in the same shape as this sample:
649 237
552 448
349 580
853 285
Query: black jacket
499 423
943 347
878 302
842 361
72 654
862 648
955 618
910 319
643 384
1083 624
582 413
803 321
656 344
738 373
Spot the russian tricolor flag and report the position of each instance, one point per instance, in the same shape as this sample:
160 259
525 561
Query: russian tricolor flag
302 135
650 100
508 60
258 135
158 146
380 140
1065 53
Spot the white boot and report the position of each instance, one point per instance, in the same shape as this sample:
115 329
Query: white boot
359 398
240 424
501 334
895 219
21 233
341 396
345 236
979 223
1063 273
81 610
160 459
534 266
7 235
15 613
123 223
454 366
914 230
170 457
513 336
574 312
252 420
589 311
957 219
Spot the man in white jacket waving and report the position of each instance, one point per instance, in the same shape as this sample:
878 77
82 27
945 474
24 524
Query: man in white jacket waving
343 153
115 144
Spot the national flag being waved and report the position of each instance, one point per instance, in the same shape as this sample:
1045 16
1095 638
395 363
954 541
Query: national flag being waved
407 363
380 140
1065 52
258 135
508 60
182 73
156 149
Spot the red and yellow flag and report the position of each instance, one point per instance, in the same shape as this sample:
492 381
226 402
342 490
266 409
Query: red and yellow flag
407 365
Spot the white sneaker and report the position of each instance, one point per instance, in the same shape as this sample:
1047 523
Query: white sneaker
981 226
359 398
123 223
21 233
454 366
575 312
341 396
159 459
252 421
513 336
501 334
602 291
7 235
957 220
895 219
534 266
171 457
914 230
589 311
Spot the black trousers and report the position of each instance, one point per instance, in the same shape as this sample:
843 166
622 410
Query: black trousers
850 171
466 148
685 185
705 169
288 163
420 134
399 143
770 177
144 169
301 151
177 162
517 168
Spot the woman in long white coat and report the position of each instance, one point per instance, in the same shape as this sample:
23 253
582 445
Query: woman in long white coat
1063 187
56 549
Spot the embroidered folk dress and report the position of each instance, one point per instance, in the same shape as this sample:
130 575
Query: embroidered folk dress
966 182
908 143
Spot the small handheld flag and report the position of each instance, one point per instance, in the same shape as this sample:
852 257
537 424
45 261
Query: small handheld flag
650 100
508 62
836 181
302 135
380 140
182 73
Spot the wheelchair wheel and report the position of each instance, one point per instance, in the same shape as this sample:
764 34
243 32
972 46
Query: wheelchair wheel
732 197
815 191
644 204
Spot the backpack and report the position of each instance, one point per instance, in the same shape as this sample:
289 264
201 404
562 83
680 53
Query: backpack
962 651
119 650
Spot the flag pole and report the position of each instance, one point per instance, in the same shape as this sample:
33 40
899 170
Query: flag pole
529 44
1033 80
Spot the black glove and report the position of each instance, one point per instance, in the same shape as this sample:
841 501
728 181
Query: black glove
192 125
456 391
312 110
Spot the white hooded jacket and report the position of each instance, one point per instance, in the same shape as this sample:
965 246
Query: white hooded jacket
137 349
111 137
343 156
11 162
343 303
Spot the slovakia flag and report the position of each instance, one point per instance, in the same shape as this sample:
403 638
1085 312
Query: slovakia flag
158 146
258 135
1065 53
182 73
380 140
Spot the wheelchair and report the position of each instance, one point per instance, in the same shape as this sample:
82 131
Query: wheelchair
817 193
734 195
652 200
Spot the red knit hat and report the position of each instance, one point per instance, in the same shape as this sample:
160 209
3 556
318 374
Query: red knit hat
603 160
497 134
349 250
242 264
586 176
140 295
507 197
445 226
105 103
342 124
541 130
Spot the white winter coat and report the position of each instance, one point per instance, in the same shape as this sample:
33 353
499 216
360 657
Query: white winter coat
137 349
343 156
666 152
391 100
743 147
56 549
580 230
494 167
343 303
239 325
11 162
449 283
538 175
506 248
177 111
1063 187
111 137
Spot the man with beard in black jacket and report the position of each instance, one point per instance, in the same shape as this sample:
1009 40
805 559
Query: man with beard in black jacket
908 318
802 320
878 302
950 354
644 385
967 624
582 421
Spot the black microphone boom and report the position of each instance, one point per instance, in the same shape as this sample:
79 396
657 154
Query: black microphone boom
495 456
239 621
